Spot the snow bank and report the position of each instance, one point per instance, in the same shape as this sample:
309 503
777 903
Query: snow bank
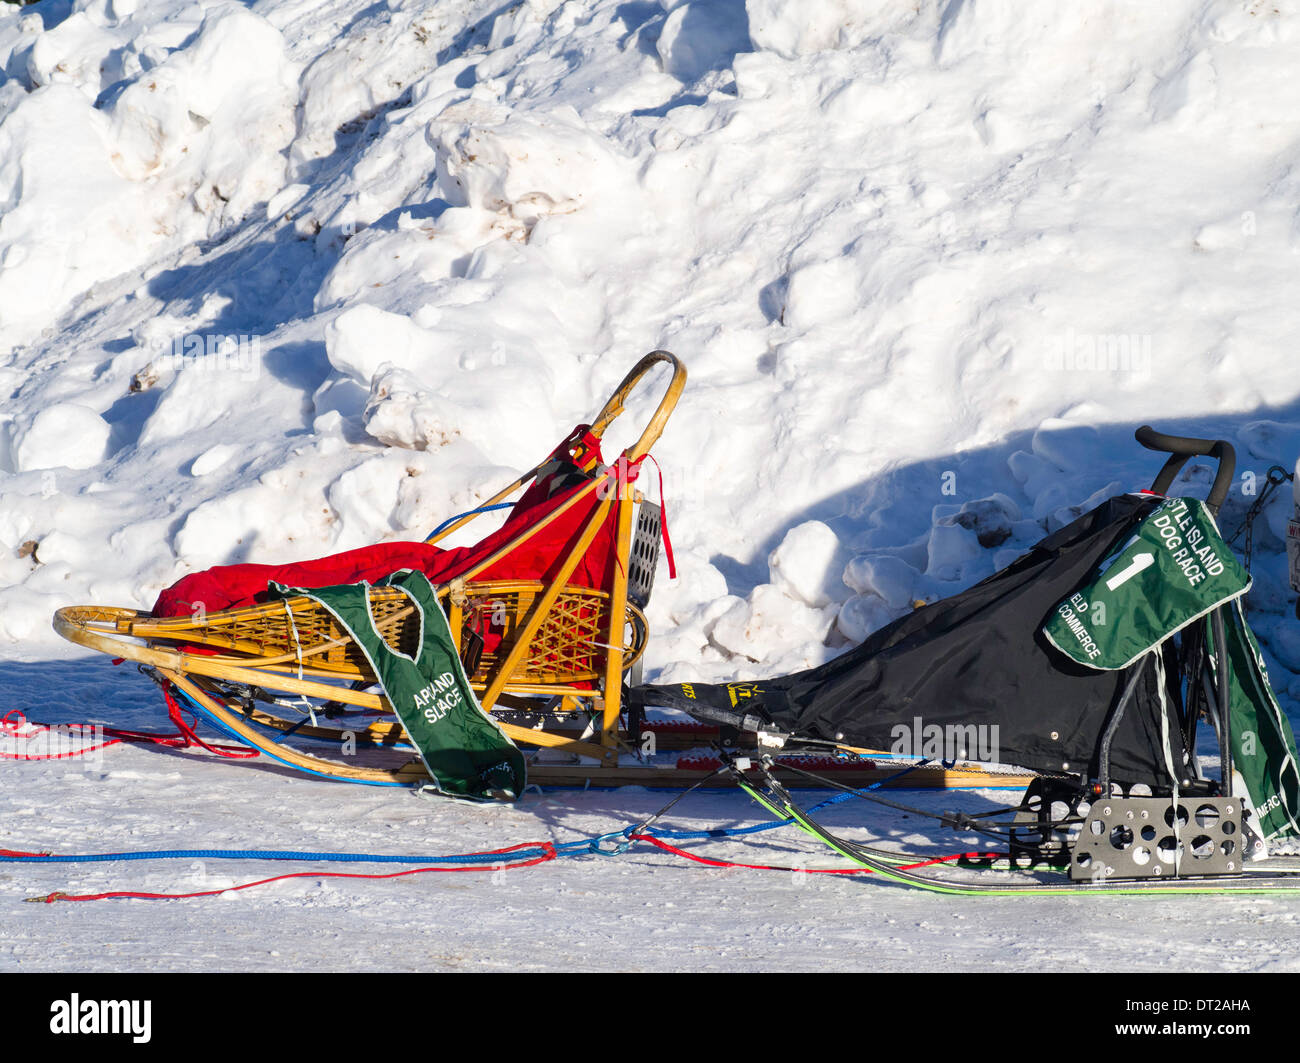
928 264
102 176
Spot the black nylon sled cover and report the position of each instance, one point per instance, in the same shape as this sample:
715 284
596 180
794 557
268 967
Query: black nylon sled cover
977 658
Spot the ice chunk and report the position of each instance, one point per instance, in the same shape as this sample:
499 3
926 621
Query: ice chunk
362 339
889 578
212 459
989 518
861 616
949 547
402 413
808 565
769 624
66 435
699 37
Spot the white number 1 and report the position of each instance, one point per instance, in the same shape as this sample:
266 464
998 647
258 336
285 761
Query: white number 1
1139 562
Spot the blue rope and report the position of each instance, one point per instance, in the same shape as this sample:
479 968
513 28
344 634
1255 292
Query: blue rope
294 728
585 845
575 848
220 726
276 731
566 849
468 513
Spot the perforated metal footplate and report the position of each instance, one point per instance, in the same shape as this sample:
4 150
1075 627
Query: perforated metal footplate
645 553
1150 837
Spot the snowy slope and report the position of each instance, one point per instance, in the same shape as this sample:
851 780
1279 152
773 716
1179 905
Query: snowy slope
287 277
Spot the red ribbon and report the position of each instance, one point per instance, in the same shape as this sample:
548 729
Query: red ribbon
663 520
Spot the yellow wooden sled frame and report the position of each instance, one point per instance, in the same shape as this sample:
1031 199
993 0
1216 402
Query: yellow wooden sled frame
296 648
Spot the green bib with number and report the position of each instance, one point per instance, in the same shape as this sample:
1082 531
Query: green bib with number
1174 569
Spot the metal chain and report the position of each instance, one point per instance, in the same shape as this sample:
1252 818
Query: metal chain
1276 477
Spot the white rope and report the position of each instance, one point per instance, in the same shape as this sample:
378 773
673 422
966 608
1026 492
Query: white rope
297 646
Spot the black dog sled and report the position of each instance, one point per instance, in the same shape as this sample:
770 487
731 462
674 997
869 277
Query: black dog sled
1095 659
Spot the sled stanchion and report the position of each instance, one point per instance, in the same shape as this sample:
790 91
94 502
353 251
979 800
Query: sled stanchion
1224 699
1112 725
529 533
613 689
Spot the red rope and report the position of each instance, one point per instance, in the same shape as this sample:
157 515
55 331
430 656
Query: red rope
548 848
663 519
187 733
12 723
548 853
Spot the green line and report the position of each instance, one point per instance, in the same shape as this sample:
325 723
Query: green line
977 890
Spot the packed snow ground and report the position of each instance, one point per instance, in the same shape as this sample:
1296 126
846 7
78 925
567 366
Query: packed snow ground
643 911
283 278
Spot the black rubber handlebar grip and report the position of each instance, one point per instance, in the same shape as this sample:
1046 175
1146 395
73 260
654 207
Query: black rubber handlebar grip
1179 449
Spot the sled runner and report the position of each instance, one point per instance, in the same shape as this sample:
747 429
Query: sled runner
546 614
1095 657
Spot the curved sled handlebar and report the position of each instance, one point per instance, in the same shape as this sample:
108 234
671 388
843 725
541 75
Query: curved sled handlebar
1179 449
614 406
